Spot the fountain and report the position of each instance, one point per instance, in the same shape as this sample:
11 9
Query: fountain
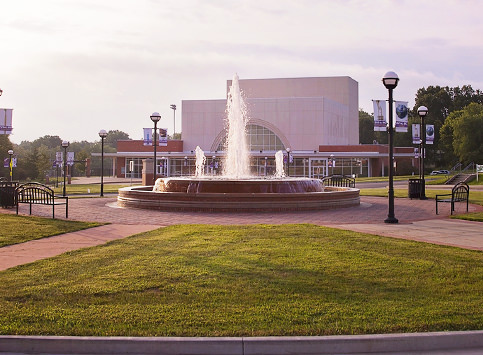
236 189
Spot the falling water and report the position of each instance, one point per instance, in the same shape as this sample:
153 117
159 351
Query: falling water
237 163
200 162
279 171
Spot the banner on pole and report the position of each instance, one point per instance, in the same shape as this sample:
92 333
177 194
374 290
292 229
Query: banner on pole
416 135
148 136
6 120
401 116
379 115
70 158
429 133
163 137
59 158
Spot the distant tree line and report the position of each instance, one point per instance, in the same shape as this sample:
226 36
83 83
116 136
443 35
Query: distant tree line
35 159
457 116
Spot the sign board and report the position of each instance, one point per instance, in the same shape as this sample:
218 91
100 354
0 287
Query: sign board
70 158
6 121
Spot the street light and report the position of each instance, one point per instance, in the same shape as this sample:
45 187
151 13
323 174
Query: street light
10 153
390 81
102 134
422 112
173 107
65 144
155 117
288 161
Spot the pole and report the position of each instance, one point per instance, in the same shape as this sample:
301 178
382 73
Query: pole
173 107
102 166
390 216
423 152
154 147
11 167
65 169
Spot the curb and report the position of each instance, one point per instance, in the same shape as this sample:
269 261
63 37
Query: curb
471 341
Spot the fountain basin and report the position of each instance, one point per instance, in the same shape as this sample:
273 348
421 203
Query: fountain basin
224 195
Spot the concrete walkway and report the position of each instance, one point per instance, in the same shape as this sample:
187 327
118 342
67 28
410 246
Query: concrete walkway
28 252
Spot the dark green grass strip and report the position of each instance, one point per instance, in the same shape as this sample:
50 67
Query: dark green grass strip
18 229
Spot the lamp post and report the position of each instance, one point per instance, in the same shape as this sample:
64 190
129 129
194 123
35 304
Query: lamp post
155 117
390 81
10 153
422 112
173 107
288 161
102 134
65 144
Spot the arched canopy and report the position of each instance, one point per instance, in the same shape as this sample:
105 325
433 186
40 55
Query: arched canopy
259 138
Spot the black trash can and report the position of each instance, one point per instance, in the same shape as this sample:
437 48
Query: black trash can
415 188
7 193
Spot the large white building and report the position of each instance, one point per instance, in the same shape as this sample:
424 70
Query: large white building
300 114
315 119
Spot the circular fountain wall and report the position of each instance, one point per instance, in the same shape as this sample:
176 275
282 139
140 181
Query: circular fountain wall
225 195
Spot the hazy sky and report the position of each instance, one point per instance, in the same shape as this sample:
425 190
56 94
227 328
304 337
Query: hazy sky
73 67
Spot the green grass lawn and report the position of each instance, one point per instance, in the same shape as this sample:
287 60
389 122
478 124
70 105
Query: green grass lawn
86 189
263 280
475 196
18 229
474 216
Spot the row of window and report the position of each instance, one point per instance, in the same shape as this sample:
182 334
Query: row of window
259 166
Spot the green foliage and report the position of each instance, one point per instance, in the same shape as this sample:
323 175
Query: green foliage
441 102
19 229
468 134
5 146
366 127
475 216
366 130
35 158
112 137
260 280
475 196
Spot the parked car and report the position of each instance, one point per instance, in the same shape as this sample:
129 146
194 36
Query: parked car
439 172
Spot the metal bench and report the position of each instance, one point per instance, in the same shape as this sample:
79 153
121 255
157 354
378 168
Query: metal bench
459 193
339 181
35 193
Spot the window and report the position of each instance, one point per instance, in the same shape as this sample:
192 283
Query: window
259 138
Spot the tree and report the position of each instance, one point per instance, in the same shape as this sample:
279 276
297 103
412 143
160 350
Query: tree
441 102
366 127
43 161
5 146
367 135
112 137
464 129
